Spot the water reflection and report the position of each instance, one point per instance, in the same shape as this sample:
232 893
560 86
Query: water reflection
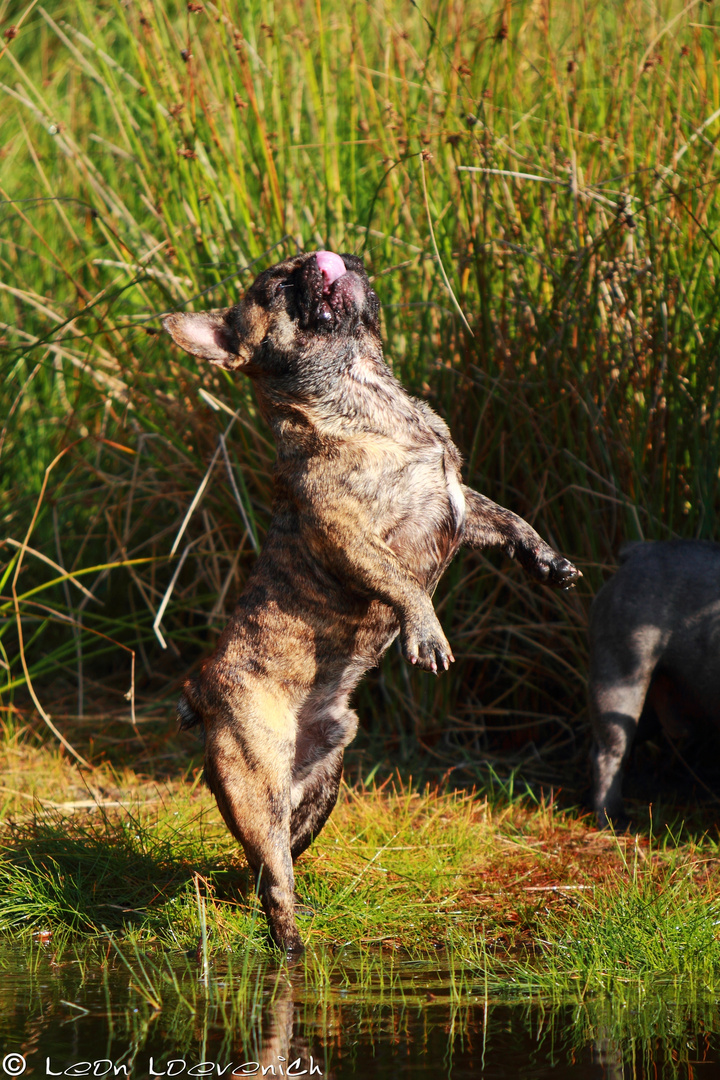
607 1053
140 1015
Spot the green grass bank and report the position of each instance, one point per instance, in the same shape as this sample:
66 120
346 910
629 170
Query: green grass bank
502 894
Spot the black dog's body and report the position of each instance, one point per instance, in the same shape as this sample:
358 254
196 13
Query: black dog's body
369 509
654 637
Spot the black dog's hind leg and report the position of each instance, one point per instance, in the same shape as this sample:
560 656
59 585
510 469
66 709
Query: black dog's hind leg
488 525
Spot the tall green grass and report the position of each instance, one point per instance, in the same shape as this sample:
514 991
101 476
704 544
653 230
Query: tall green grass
534 188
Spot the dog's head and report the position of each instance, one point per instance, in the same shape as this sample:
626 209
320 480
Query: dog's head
307 311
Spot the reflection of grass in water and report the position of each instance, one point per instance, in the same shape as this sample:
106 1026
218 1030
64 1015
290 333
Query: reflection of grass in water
332 1002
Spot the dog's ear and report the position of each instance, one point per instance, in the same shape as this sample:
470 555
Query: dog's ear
209 335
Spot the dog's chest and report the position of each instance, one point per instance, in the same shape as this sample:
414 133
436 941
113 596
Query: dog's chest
410 495
384 465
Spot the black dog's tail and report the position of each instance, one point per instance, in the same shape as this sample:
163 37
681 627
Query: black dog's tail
187 712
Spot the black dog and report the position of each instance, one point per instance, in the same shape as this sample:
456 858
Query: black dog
655 636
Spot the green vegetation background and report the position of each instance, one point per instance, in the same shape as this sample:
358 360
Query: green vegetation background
534 189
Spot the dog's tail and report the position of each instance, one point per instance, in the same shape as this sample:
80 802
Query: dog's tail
187 712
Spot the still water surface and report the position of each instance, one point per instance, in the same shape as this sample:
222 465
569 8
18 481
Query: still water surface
72 1014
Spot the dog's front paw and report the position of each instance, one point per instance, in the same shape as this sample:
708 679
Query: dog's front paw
562 574
424 644
549 567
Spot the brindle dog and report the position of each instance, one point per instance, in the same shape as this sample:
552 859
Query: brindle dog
369 509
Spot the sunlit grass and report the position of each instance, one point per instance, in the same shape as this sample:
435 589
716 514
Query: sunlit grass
499 890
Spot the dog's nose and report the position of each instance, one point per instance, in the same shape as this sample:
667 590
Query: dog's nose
349 293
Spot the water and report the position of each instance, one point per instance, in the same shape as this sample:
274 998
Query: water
68 1013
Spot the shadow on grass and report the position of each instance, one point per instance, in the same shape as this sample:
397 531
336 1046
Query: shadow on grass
113 873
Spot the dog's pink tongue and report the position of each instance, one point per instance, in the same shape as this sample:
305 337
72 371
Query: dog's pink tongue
332 267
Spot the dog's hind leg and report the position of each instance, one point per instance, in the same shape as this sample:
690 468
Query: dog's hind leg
317 797
253 796
325 727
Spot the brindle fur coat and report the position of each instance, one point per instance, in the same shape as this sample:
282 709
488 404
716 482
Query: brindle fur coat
369 509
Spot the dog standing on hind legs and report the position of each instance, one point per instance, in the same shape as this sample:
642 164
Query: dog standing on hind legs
369 508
